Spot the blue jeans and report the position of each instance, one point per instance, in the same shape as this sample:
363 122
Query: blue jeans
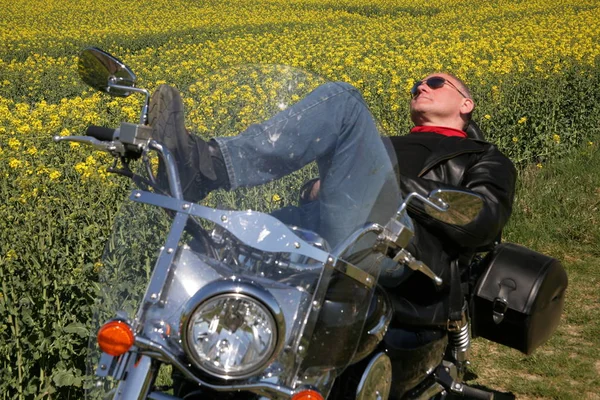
334 127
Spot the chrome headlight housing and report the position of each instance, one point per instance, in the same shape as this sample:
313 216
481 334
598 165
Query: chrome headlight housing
231 334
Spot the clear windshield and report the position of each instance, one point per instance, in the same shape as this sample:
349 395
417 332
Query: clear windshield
171 264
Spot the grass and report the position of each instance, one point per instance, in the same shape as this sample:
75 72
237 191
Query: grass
557 213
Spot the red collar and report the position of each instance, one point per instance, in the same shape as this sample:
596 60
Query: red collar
442 130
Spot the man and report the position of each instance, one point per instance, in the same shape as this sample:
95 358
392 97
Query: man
438 154
333 126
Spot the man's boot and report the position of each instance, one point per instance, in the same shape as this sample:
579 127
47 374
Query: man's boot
200 164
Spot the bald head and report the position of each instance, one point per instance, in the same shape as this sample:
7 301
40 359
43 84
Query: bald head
441 102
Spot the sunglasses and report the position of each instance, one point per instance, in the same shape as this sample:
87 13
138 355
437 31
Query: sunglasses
435 82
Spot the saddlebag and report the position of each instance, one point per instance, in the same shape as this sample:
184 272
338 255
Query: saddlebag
519 297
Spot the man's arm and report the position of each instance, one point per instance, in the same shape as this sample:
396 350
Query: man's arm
493 177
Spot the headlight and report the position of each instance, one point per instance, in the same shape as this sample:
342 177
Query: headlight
230 335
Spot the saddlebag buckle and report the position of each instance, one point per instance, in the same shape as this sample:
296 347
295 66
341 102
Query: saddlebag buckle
499 307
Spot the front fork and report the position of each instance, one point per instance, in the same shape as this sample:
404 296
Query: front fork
139 376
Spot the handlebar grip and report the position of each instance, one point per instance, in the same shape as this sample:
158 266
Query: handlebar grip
100 132
474 393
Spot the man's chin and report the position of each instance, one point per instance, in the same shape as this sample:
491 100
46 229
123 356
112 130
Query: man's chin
419 112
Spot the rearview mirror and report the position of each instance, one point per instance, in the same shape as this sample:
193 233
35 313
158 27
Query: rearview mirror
106 73
462 207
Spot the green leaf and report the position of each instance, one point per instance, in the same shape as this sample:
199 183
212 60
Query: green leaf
77 328
64 378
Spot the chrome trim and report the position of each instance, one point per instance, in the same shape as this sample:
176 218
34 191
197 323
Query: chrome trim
403 256
304 338
106 365
376 380
264 389
371 339
133 134
163 264
234 287
341 248
354 272
379 330
396 234
140 375
144 116
424 199
429 392
113 147
461 206
172 174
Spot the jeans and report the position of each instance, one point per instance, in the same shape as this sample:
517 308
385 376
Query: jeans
334 127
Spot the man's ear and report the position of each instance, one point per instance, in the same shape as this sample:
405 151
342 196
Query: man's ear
467 106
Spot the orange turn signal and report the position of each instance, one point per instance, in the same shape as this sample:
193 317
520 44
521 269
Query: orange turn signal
115 338
307 395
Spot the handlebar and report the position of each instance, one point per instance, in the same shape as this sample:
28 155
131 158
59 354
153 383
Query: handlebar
128 140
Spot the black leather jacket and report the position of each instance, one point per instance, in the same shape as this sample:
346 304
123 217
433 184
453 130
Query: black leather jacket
466 164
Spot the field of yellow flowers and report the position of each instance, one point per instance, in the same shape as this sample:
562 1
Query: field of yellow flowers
533 67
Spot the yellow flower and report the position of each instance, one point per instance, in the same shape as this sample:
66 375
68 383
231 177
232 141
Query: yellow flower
32 151
276 198
98 266
14 163
14 143
522 120
24 129
54 175
515 139
81 168
539 165
556 138
11 254
487 116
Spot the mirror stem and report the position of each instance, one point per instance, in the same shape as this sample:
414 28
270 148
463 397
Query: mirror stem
144 116
440 207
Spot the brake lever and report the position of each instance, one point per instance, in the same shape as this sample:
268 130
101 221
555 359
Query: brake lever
408 259
114 147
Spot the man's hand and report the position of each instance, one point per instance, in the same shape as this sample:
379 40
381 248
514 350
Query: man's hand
310 191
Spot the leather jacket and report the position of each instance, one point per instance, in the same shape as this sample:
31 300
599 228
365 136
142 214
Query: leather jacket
465 164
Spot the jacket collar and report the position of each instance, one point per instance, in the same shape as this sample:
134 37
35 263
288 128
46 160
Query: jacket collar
440 130
451 147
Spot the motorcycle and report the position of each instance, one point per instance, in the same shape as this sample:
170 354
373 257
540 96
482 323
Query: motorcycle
206 300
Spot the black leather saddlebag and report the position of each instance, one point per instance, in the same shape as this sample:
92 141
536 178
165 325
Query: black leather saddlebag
519 297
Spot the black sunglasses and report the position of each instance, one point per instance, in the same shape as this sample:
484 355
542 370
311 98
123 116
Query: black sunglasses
435 82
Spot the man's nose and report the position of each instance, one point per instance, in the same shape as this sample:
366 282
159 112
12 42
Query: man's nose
423 87
420 89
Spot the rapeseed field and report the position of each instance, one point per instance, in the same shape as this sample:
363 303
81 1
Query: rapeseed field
533 67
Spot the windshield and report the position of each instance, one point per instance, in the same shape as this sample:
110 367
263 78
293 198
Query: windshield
297 289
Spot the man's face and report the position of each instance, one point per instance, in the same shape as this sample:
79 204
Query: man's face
442 106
